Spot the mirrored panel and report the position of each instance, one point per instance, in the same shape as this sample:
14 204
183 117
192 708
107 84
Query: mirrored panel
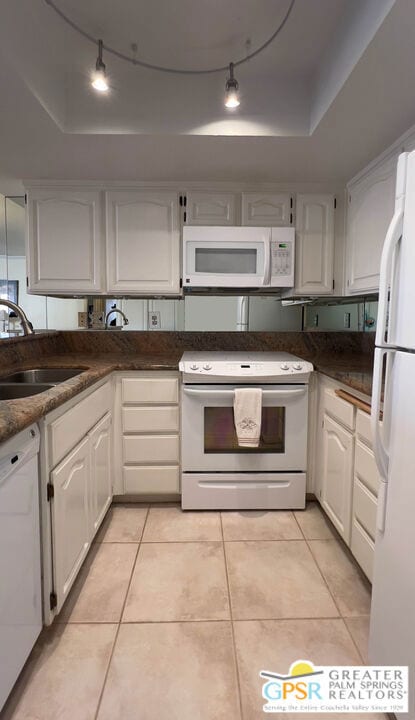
45 313
358 316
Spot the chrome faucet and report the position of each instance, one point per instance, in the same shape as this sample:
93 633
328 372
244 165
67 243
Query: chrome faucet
26 324
115 310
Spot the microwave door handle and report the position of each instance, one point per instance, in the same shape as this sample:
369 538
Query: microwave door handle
267 263
230 393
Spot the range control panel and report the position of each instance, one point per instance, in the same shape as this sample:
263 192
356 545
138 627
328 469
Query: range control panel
280 365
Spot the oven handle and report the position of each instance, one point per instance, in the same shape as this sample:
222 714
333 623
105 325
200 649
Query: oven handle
230 393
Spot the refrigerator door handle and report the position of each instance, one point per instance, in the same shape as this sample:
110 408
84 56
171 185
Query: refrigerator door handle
392 239
379 450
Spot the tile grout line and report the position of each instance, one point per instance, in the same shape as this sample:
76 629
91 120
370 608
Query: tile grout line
101 695
324 578
238 680
352 638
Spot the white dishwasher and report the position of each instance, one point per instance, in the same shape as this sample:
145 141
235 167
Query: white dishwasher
20 566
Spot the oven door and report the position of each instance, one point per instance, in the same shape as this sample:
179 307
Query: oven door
209 441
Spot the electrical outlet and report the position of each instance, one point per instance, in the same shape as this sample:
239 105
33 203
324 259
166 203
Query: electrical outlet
154 320
82 319
346 320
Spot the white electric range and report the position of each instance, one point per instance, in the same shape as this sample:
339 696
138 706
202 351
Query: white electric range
216 472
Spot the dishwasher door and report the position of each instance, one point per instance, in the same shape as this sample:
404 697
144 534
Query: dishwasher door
20 565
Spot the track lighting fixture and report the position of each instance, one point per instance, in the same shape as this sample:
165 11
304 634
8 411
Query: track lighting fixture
99 78
231 90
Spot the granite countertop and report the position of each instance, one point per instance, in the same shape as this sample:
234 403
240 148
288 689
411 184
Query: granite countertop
354 371
15 415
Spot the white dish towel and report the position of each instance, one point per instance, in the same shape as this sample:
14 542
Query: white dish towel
247 407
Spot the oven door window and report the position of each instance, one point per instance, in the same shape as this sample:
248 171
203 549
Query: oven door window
220 434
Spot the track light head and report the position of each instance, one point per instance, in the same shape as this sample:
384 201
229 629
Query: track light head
99 77
231 90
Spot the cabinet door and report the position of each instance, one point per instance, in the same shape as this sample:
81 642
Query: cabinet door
370 209
64 241
143 241
268 209
100 495
337 481
205 208
314 244
70 518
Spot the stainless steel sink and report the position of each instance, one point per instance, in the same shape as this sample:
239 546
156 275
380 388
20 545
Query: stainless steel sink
14 391
51 376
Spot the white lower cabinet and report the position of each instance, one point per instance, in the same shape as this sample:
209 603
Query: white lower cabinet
337 481
147 447
76 466
347 478
365 493
70 518
101 475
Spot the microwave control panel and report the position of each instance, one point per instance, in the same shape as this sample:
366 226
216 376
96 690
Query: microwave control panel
282 263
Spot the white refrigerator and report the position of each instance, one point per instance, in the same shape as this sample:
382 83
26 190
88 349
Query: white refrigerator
392 628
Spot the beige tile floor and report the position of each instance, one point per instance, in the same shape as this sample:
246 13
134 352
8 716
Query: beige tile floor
174 614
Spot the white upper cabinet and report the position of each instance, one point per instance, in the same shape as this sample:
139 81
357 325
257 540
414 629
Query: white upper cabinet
210 208
267 209
370 210
314 244
143 243
64 241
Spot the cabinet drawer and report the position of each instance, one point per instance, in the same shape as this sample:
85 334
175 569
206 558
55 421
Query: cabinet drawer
363 548
151 449
150 419
151 480
364 508
149 390
365 467
339 409
73 425
363 427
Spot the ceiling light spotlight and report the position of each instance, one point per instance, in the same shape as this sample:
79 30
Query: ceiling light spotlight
231 90
99 78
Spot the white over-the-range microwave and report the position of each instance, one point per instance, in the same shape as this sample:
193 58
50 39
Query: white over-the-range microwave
238 257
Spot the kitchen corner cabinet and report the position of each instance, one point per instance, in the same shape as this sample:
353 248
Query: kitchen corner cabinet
77 472
70 525
267 209
143 242
64 248
100 495
314 245
210 208
371 201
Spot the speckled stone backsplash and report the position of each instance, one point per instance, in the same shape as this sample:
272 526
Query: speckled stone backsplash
309 345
